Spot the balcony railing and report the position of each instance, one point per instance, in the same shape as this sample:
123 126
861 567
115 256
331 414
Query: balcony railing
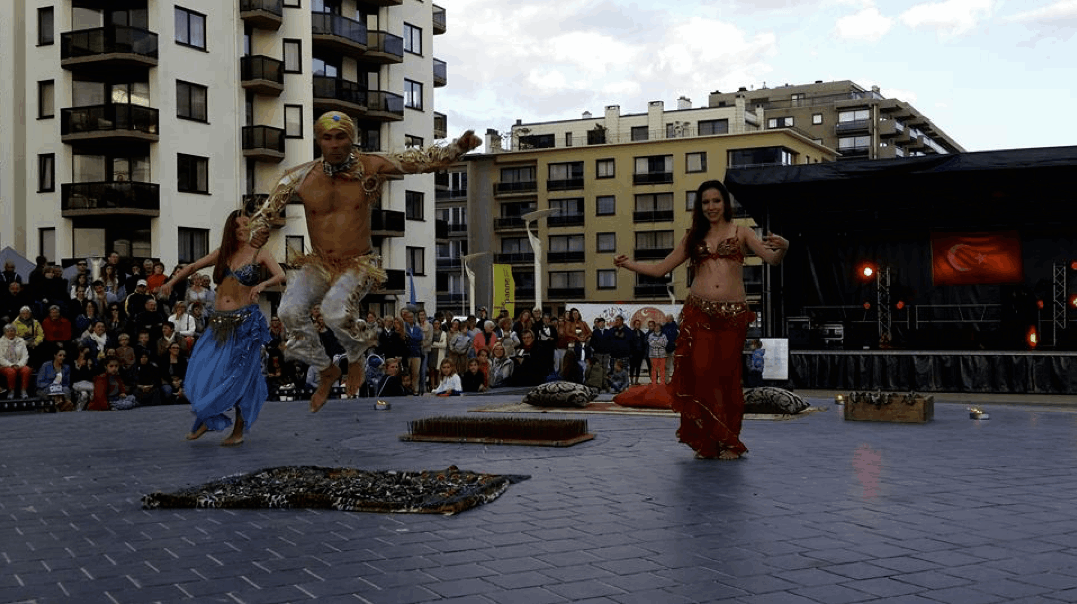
118 44
447 195
514 258
562 220
385 105
455 228
441 125
263 75
108 198
652 178
343 34
264 143
439 20
858 152
266 14
652 216
337 90
384 47
565 293
526 186
564 185
441 73
387 223
851 125
450 263
441 229
562 257
106 121
509 223
652 253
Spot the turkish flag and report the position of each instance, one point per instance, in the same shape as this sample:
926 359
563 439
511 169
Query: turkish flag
976 258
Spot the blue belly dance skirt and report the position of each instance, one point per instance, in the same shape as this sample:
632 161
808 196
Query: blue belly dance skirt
225 369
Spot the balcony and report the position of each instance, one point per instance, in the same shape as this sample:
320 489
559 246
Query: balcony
511 188
854 152
439 20
110 199
450 264
441 73
385 106
263 143
652 216
564 220
262 75
652 253
652 178
263 14
116 47
457 228
515 258
509 223
383 48
565 293
651 290
378 3
337 94
450 195
564 257
339 34
564 185
441 125
395 283
114 123
386 223
449 300
852 126
441 230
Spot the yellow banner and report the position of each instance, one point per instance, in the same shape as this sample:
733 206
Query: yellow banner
504 290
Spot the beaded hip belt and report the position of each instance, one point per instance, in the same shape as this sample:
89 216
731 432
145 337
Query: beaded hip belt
717 308
225 322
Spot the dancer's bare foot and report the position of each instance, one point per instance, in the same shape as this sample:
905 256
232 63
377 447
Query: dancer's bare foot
202 428
326 378
236 438
355 378
728 455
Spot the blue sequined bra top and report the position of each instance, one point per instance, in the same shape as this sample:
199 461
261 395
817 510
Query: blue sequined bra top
246 275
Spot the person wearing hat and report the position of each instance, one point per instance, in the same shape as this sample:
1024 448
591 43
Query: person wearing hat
338 191
136 301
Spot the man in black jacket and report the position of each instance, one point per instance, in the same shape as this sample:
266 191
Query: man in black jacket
620 342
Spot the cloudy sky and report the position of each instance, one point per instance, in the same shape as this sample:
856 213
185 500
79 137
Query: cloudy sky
994 74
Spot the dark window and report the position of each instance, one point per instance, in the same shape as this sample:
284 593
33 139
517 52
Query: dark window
566 279
46 172
413 39
606 205
537 141
292 4
190 28
524 174
707 127
639 133
193 244
416 260
191 101
761 156
293 56
690 201
45 27
193 174
413 141
780 122
293 121
413 94
413 205
607 242
46 99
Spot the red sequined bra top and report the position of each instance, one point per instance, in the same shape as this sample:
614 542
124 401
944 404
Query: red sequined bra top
727 249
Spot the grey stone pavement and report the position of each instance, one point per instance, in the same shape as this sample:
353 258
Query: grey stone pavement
821 511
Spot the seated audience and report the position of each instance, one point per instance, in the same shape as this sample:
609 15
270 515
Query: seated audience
14 359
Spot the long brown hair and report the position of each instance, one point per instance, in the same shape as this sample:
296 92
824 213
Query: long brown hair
700 225
229 245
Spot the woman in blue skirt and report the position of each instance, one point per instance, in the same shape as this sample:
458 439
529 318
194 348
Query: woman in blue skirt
225 369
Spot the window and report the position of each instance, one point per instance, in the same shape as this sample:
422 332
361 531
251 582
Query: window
46 172
193 244
797 99
695 162
413 205
713 127
607 242
190 28
328 67
293 121
568 139
413 141
639 133
192 173
816 118
416 260
655 202
46 242
605 168
537 141
413 39
567 207
515 245
761 156
566 279
566 243
656 169
607 278
46 99
292 4
45 27
293 56
690 201
854 143
525 174
654 240
191 101
413 94
605 205
294 247
858 115
780 122
565 175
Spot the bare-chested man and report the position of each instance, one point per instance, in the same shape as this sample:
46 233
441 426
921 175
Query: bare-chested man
338 192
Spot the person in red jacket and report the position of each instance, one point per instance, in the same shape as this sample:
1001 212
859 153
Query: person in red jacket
57 329
108 390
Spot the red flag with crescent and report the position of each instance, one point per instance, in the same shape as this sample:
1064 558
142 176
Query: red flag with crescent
976 258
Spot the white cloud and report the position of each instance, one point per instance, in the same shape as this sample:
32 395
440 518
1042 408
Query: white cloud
950 19
1063 10
868 25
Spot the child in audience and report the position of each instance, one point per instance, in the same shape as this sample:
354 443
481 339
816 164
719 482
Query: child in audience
619 379
450 382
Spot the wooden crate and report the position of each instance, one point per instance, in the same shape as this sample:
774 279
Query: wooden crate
903 408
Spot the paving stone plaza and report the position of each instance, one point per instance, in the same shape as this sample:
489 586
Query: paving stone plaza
820 511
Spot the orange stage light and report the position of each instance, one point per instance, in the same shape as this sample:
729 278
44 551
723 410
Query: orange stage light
1031 338
1073 265
900 304
1073 300
1039 304
867 306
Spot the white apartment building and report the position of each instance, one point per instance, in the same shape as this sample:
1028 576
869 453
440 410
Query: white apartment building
138 125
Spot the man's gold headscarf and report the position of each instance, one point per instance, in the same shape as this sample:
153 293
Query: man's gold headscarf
335 120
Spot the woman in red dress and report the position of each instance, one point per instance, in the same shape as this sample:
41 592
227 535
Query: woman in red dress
706 385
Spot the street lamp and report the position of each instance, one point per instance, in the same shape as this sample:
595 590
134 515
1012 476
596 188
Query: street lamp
536 247
471 278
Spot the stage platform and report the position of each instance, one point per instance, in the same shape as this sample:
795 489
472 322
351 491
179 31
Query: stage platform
1039 372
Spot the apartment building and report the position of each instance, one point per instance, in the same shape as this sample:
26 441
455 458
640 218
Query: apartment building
609 196
137 125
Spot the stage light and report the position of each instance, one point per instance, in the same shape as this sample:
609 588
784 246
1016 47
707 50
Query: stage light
1039 304
1073 300
1073 265
900 304
865 271
867 306
1031 338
